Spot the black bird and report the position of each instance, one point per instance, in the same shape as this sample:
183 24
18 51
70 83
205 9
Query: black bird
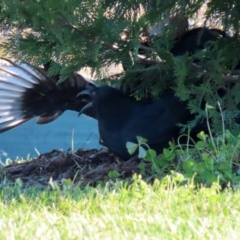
195 40
122 118
191 42
27 92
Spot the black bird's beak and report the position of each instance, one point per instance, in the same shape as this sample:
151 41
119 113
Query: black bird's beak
89 105
89 93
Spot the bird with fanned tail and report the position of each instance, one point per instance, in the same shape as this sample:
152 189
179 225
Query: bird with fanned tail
27 92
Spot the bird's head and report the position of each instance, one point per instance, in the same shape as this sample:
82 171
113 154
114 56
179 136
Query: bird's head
87 95
96 96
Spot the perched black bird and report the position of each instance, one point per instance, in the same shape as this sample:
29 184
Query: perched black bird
27 92
191 42
122 118
195 40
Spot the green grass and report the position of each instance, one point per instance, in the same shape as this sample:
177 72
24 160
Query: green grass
120 211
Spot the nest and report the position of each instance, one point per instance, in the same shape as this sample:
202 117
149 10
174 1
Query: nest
83 167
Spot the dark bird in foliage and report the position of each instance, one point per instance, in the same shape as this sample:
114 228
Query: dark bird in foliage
190 43
195 40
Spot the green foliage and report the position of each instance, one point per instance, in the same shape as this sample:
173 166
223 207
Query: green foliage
207 161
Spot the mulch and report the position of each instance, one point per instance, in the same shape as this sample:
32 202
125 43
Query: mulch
83 167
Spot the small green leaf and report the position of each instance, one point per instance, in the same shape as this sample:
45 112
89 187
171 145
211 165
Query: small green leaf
228 175
208 161
141 140
151 155
189 166
209 177
166 152
142 168
201 144
177 176
142 152
113 174
230 137
154 168
204 156
169 154
224 166
200 168
172 156
131 147
172 146
202 136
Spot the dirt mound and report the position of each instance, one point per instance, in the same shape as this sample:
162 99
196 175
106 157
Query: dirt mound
83 167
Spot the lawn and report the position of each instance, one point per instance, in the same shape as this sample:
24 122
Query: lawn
118 210
104 201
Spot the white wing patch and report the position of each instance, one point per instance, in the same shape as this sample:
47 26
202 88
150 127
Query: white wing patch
15 79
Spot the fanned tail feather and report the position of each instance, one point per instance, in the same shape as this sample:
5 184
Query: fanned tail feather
27 92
